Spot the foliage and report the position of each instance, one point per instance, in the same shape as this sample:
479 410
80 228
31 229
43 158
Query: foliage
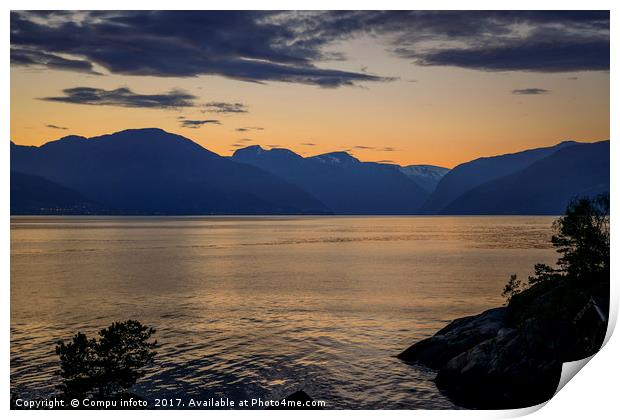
542 272
513 287
581 236
107 366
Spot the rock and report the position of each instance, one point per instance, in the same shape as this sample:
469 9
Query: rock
512 357
485 362
499 373
561 320
457 337
300 396
591 326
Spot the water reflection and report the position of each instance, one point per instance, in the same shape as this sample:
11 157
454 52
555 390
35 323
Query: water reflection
263 306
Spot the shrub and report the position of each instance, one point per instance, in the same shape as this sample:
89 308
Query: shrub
107 366
581 236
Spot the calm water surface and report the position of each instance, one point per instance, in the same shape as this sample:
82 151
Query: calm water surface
249 307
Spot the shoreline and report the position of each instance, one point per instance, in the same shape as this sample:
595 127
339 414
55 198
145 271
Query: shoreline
512 356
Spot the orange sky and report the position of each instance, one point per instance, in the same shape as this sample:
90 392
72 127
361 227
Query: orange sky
429 115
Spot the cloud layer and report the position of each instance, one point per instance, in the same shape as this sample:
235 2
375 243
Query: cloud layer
244 129
251 46
530 91
197 123
540 41
226 108
123 97
260 46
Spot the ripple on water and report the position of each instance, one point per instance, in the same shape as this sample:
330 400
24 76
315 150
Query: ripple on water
263 307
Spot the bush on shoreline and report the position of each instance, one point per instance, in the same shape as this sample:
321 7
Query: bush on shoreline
554 302
108 366
581 236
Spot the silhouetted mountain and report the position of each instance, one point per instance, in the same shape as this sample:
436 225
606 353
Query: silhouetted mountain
36 195
544 187
466 176
342 182
426 176
150 171
337 159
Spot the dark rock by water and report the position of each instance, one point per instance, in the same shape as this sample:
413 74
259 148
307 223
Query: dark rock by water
457 337
511 357
499 373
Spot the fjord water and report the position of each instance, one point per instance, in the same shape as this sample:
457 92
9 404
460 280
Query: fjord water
259 307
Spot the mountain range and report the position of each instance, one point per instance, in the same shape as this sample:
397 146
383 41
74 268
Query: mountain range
153 172
426 176
544 187
150 171
342 182
34 195
468 175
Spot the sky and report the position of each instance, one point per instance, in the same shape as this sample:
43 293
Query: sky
412 87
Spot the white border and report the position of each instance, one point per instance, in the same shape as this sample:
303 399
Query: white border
593 393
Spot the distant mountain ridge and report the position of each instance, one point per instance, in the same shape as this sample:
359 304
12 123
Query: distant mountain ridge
426 176
544 187
468 175
36 195
341 181
150 171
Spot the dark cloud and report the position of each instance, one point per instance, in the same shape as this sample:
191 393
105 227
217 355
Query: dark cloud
244 140
244 129
198 123
386 161
546 57
541 41
308 144
237 145
123 97
226 107
244 45
28 58
273 145
530 91
383 149
266 46
56 127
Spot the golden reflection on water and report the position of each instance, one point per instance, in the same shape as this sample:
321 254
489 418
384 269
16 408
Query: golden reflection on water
263 306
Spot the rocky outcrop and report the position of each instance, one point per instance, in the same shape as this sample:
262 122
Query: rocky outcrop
511 357
484 363
457 337
502 372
